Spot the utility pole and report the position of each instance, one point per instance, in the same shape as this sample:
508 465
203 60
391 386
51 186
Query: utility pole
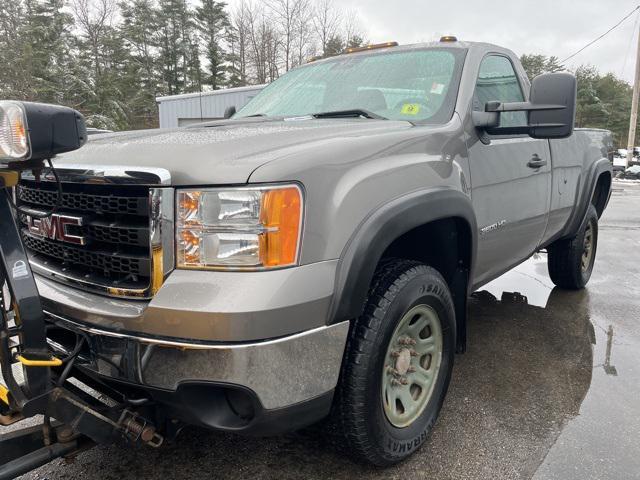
634 106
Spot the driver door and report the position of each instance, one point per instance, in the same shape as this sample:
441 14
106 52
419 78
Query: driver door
510 175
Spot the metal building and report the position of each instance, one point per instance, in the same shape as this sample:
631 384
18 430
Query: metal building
189 108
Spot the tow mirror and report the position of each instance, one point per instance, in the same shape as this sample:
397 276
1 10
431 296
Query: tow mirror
551 109
553 89
38 131
230 111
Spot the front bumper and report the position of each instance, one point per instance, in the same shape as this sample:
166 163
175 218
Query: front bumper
261 333
259 388
280 372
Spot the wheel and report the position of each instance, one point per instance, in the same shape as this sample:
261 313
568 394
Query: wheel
570 261
398 363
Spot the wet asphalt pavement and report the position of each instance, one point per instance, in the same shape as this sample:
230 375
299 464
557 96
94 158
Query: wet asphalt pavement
549 389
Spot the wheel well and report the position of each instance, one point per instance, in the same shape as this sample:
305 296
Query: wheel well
601 193
445 245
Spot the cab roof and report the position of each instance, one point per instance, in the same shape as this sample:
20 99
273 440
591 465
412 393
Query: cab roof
461 45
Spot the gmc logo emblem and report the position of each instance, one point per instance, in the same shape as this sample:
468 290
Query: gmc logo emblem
55 228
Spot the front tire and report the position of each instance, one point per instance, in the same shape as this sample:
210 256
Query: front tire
398 363
571 261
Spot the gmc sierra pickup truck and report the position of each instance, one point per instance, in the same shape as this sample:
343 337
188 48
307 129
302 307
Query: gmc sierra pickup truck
312 256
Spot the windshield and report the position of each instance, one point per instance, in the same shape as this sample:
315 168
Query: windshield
415 85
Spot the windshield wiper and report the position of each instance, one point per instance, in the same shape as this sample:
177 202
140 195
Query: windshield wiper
355 112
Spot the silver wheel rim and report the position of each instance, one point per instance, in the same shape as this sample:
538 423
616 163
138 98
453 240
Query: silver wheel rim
411 365
587 248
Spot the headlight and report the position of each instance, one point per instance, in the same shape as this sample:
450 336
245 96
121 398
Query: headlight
239 228
14 139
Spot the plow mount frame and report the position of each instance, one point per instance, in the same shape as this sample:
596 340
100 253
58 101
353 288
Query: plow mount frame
81 419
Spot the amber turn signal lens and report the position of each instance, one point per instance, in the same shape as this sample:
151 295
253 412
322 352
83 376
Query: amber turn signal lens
281 215
191 246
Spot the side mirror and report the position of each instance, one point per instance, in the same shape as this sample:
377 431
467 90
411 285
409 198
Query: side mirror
230 111
551 109
38 131
553 89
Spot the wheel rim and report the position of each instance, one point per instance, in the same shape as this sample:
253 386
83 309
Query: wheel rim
587 248
411 365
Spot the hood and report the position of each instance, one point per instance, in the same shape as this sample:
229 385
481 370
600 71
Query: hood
223 152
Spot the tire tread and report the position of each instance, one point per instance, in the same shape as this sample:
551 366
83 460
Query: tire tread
391 276
564 257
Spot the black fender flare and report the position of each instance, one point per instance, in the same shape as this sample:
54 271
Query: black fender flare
379 229
600 166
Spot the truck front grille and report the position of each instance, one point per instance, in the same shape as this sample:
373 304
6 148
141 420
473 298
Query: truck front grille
115 254
129 205
99 261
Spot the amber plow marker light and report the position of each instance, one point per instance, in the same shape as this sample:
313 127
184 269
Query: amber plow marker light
374 46
251 228
14 137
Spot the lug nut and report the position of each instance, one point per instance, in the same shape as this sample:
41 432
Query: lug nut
413 353
411 369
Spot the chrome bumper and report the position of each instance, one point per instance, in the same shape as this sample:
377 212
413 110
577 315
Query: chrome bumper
281 372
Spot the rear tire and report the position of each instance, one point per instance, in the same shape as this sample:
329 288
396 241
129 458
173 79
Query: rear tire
571 261
399 351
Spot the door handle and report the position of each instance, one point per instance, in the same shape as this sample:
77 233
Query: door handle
536 162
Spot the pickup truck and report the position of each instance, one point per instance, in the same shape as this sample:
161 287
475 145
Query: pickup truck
312 256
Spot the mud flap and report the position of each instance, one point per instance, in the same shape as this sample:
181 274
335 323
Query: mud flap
459 290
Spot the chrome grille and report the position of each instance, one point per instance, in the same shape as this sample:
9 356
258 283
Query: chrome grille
116 257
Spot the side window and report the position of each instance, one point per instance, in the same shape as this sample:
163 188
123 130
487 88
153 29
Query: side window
497 80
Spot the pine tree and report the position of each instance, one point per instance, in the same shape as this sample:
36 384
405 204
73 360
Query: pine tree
139 29
171 44
213 25
335 46
536 65
590 110
13 48
45 59
355 42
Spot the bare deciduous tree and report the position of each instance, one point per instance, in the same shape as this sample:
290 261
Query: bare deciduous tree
239 43
94 18
287 15
352 29
304 40
326 21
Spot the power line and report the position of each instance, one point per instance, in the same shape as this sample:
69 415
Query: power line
624 66
626 56
605 33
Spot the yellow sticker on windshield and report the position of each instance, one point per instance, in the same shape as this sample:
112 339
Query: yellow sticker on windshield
410 109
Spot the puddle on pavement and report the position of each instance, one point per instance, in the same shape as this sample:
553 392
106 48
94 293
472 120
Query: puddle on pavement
525 375
529 279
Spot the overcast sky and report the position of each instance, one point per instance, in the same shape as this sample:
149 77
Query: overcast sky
550 27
